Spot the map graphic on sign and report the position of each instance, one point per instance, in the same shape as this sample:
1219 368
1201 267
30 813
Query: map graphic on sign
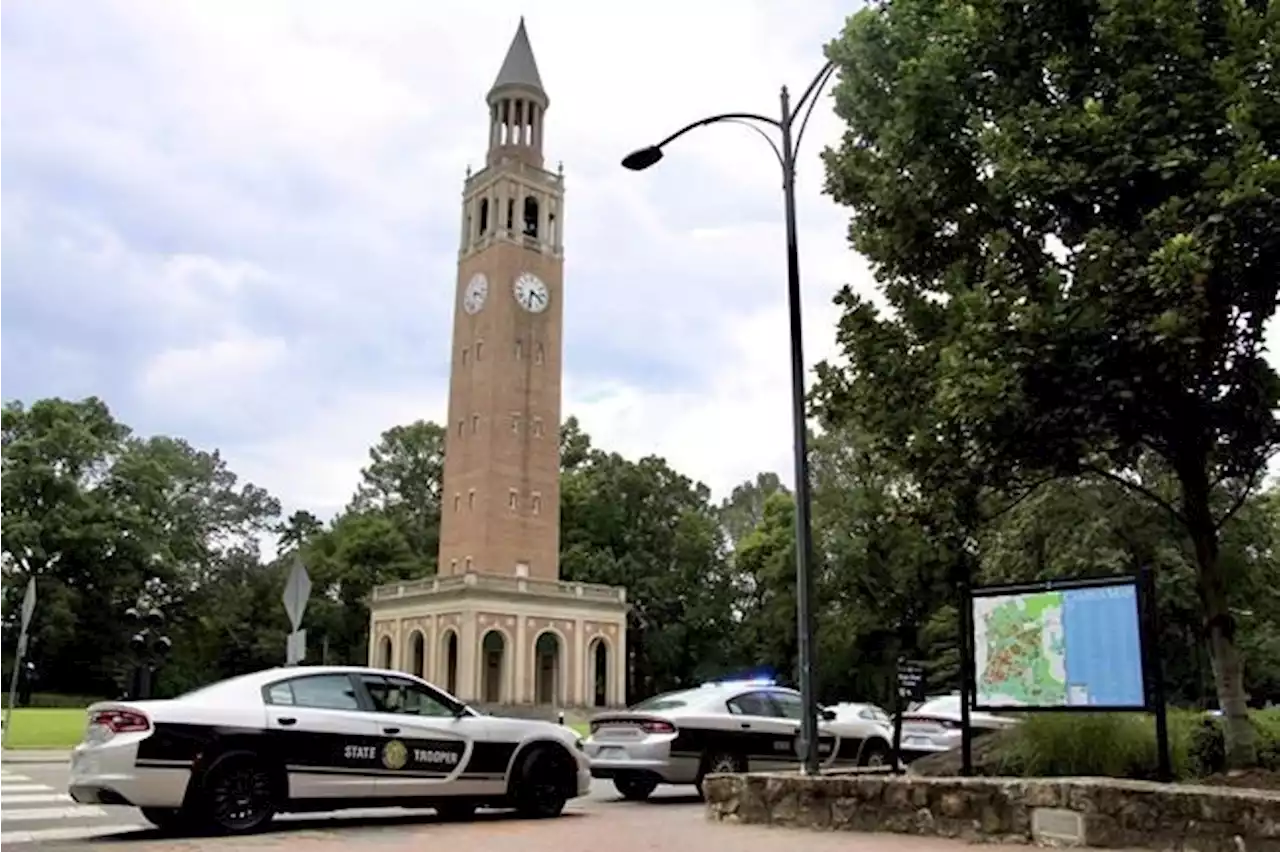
1068 648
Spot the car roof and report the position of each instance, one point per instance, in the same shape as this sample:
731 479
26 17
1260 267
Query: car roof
254 681
707 696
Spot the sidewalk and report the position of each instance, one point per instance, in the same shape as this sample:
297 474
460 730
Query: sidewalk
35 755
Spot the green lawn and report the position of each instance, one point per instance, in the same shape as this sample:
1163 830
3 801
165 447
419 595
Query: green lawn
45 727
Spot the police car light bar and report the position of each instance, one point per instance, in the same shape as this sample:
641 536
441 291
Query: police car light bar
758 681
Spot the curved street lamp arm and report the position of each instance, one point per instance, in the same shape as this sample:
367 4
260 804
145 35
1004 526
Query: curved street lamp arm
741 117
815 88
777 152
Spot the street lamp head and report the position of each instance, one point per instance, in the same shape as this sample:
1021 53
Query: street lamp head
642 159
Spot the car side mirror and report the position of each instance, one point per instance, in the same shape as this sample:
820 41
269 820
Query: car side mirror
827 715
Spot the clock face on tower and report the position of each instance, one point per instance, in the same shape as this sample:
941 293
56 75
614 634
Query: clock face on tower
474 296
531 294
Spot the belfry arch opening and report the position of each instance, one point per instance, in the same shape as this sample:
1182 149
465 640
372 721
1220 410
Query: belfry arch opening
484 216
531 217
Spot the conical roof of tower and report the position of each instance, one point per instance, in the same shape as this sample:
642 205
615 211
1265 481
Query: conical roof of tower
520 68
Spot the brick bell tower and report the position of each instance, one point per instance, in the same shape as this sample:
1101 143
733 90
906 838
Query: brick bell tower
501 506
496 625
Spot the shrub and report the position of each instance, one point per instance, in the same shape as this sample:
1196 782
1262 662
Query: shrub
1118 745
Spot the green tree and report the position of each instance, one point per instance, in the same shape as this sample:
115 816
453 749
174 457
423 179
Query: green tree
1072 210
743 510
403 482
644 526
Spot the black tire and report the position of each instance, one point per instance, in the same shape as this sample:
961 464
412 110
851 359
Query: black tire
167 819
455 811
719 762
875 753
237 794
635 789
546 781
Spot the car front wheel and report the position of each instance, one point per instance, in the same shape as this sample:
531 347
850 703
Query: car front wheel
546 779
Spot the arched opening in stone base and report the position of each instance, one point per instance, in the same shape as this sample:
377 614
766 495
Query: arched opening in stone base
384 652
493 656
449 663
598 666
548 668
418 654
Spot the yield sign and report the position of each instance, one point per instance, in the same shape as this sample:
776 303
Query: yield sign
297 591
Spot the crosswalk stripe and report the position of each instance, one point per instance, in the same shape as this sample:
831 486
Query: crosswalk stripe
31 800
72 812
25 788
54 834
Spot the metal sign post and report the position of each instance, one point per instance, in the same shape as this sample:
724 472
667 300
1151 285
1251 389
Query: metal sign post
28 609
910 677
297 592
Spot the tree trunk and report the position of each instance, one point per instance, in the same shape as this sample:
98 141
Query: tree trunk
1219 625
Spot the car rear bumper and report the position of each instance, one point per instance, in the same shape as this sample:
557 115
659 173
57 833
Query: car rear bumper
653 760
108 774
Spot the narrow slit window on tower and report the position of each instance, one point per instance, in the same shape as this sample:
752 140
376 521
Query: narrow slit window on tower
479 349
515 422
471 501
462 425
453 566
513 499
484 216
466 354
511 214
538 355
531 217
457 502
475 423
519 350
537 427
468 564
536 502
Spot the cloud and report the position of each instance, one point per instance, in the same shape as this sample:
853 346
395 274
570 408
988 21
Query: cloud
237 221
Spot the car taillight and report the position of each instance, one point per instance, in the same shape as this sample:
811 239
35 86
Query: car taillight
121 721
656 727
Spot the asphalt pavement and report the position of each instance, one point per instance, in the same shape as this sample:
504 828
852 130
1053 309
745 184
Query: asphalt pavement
35 809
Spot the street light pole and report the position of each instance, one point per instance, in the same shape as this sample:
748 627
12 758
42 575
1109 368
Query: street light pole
786 154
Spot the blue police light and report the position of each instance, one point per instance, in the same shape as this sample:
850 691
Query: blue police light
759 677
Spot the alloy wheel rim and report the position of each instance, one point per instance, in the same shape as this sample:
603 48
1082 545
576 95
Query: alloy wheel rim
241 797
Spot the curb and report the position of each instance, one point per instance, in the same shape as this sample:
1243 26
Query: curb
35 756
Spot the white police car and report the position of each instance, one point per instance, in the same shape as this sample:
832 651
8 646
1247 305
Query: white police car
737 726
229 756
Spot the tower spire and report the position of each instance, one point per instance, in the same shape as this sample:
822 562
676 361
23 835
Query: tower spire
517 105
519 69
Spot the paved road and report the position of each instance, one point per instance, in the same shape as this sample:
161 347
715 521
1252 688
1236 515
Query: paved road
37 816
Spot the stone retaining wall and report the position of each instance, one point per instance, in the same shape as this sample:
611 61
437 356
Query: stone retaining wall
1100 812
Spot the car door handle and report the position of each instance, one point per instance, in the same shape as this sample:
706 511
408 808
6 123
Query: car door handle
746 725
287 720
390 730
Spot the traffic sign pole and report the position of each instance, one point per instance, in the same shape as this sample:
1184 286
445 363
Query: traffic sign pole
28 609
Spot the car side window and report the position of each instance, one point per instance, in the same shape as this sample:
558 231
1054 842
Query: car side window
318 692
750 704
788 705
393 695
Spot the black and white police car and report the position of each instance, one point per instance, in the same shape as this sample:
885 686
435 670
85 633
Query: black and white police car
738 726
229 756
